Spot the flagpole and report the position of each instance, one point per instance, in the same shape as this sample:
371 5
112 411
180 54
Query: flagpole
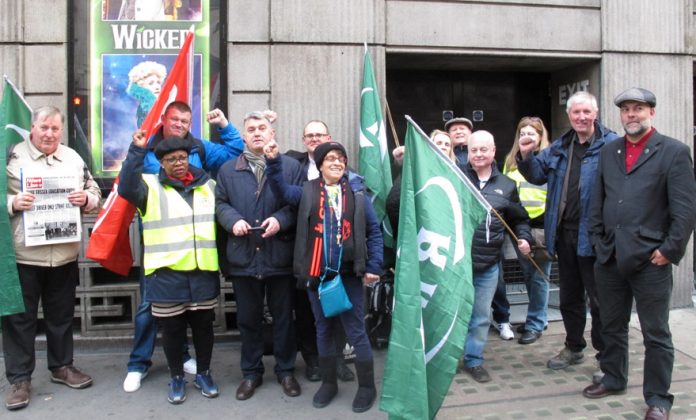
481 200
391 123
515 238
7 79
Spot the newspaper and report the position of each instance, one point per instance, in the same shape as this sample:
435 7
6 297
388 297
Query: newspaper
52 219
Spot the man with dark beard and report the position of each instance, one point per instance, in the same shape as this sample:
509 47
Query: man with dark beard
641 217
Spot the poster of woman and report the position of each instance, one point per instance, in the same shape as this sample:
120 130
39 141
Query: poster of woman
130 85
131 56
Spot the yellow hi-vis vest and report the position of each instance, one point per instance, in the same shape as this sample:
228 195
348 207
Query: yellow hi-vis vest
174 234
532 197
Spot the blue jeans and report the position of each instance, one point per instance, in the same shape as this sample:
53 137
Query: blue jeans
145 334
537 291
501 304
485 283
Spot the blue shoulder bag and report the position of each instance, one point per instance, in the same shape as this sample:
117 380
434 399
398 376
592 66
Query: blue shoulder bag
332 295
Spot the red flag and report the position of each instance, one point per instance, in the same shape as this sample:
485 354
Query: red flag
109 244
177 87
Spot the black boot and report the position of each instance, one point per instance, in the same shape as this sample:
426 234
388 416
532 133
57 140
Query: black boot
366 394
329 385
344 372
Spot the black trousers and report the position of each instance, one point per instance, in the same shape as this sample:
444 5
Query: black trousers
174 338
576 275
249 293
55 286
652 289
306 331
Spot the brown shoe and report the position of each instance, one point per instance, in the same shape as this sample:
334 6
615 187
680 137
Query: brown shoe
18 395
71 376
600 391
290 386
657 413
247 387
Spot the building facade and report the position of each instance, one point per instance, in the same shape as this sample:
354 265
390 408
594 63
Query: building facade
491 61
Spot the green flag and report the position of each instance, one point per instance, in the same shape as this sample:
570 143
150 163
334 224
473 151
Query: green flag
15 123
434 294
374 154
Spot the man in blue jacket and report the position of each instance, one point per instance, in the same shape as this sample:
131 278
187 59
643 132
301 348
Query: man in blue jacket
260 229
569 168
209 156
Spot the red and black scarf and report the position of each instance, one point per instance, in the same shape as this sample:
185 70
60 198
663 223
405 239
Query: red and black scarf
317 222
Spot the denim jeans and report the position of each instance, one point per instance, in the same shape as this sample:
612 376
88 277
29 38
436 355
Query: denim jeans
501 304
145 335
537 292
485 283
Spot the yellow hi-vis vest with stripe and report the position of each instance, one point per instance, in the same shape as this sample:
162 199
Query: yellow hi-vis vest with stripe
532 197
174 234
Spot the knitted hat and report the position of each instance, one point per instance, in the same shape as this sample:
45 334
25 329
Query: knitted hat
323 149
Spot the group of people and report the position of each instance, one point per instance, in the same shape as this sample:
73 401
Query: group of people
615 212
236 207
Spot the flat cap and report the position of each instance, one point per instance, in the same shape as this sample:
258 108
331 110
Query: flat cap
636 94
459 120
171 144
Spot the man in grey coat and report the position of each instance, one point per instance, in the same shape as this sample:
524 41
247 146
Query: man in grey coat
642 214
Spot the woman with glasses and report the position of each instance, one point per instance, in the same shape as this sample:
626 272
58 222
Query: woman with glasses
338 234
177 208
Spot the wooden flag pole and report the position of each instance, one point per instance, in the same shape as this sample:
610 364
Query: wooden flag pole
391 123
514 237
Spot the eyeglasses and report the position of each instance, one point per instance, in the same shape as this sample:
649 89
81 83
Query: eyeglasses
332 159
174 159
312 136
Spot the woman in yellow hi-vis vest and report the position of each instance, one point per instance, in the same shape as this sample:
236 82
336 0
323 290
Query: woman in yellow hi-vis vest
533 198
177 208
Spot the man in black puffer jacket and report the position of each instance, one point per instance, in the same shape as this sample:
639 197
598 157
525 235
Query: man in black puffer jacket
501 192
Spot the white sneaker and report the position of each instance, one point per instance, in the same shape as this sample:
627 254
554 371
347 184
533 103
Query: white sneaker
190 366
132 381
505 331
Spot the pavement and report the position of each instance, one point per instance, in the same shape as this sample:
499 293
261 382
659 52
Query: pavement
522 386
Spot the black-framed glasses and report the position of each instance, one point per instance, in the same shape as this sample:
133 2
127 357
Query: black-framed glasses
174 159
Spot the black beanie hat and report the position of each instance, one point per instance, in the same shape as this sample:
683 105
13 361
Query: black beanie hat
323 149
171 144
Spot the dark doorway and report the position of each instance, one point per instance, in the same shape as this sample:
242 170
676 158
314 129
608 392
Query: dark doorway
503 97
